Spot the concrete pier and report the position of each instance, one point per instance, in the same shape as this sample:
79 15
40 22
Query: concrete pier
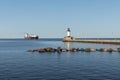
94 41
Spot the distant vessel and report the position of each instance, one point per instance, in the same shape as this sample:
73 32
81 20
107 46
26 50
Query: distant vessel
29 36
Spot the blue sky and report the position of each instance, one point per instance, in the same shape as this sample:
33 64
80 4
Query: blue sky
51 18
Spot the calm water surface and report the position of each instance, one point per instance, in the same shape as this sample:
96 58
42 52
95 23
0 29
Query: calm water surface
18 64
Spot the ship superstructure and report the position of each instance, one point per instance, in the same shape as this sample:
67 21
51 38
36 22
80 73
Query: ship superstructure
29 36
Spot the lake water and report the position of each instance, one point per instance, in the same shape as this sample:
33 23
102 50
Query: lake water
18 64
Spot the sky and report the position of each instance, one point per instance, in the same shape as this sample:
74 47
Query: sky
51 18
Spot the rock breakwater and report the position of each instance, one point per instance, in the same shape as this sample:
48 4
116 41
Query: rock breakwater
59 50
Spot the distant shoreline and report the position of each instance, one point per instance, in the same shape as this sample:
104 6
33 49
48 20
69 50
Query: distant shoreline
76 38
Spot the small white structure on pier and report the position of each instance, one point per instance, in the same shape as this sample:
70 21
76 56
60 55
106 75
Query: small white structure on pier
68 37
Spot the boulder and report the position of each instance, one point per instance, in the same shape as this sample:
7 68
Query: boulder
82 49
41 50
64 50
73 50
90 50
109 50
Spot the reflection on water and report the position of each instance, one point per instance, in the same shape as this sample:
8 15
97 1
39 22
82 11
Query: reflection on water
67 44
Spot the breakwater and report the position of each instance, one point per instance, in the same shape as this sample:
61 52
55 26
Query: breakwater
94 41
59 50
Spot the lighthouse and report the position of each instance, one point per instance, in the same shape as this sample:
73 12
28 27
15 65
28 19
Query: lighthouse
68 32
68 38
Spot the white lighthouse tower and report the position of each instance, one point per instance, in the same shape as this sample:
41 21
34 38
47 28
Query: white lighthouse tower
68 32
68 38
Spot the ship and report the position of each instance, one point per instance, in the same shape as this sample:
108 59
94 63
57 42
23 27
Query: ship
29 36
